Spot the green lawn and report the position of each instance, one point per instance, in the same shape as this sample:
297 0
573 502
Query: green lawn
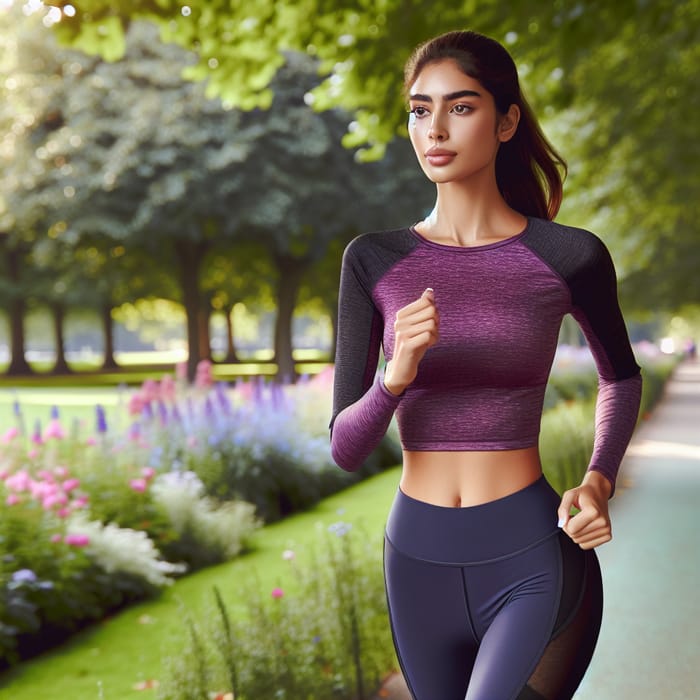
76 395
106 661
73 403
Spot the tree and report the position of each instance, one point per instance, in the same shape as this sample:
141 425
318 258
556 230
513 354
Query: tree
306 191
618 77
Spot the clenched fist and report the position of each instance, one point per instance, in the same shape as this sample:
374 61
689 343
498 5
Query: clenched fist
415 330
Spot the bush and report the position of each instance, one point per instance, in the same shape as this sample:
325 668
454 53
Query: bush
324 634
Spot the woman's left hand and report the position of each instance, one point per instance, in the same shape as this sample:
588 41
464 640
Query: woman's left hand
591 526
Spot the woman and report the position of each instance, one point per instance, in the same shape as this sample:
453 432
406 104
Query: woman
493 587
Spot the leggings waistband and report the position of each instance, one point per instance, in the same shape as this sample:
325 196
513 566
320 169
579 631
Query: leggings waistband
474 534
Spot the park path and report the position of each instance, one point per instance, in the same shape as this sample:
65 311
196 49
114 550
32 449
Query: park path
649 645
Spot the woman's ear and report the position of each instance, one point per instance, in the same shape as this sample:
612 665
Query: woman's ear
508 123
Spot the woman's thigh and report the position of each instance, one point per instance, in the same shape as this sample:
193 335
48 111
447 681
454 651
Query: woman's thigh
433 635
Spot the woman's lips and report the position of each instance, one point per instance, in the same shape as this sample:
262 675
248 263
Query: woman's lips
439 156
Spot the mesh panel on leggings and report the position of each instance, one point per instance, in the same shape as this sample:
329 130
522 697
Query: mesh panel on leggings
566 657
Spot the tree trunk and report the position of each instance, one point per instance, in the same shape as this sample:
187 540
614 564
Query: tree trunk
58 312
290 273
189 257
231 352
17 309
204 319
108 338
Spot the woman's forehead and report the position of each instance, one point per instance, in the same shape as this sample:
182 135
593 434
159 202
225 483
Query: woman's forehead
440 78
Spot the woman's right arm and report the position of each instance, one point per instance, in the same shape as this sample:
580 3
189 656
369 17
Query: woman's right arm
362 404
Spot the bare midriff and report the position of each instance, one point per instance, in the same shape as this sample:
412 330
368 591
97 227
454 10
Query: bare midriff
461 479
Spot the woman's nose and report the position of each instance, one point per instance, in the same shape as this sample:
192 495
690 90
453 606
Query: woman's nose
437 130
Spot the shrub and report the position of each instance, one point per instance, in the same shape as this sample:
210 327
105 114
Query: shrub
324 633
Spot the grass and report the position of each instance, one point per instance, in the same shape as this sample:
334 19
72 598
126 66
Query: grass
105 661
135 367
76 395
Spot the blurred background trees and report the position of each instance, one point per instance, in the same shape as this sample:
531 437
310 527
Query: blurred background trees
224 153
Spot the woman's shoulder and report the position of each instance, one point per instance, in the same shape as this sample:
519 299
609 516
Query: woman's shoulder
381 243
559 234
565 247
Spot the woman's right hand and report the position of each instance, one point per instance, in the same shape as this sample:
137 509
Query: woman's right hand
415 330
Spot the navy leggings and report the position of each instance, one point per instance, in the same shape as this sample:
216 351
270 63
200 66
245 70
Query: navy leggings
490 602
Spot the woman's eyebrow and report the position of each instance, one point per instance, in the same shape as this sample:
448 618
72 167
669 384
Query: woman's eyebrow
450 96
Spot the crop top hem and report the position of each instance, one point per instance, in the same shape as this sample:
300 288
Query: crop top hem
468 445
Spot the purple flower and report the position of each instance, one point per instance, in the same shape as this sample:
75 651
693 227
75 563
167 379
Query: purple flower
101 420
36 436
340 528
24 576
54 413
135 431
222 398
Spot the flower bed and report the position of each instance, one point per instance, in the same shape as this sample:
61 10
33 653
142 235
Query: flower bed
90 521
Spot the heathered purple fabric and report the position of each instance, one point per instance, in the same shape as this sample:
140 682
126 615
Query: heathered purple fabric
481 387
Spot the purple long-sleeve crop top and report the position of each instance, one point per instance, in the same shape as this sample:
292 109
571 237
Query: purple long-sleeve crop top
481 387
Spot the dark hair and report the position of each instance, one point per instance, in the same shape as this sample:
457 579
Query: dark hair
529 171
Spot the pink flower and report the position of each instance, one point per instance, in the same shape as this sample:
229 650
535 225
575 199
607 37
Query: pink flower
70 485
77 540
60 472
181 371
10 434
33 454
150 390
79 502
4 473
63 512
138 485
288 554
136 404
20 481
203 378
167 388
12 499
54 430
191 441
42 489
53 500
277 593
91 441
148 473
56 538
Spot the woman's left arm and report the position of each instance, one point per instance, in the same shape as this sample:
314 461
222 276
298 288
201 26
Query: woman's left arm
596 308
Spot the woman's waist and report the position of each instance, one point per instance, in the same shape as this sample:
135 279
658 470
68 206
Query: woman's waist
468 478
474 534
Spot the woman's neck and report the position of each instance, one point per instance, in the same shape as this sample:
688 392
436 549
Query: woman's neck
467 215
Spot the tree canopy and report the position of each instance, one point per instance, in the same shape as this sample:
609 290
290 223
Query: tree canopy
614 81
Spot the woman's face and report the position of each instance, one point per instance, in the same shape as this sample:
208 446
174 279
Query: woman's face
453 124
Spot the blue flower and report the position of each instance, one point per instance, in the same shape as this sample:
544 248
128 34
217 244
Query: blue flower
24 576
101 419
340 528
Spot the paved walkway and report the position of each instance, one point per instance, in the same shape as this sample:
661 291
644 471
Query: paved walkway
649 645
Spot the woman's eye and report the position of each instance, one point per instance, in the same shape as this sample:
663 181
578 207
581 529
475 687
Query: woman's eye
418 111
462 109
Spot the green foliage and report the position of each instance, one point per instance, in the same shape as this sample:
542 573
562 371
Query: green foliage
615 83
323 633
